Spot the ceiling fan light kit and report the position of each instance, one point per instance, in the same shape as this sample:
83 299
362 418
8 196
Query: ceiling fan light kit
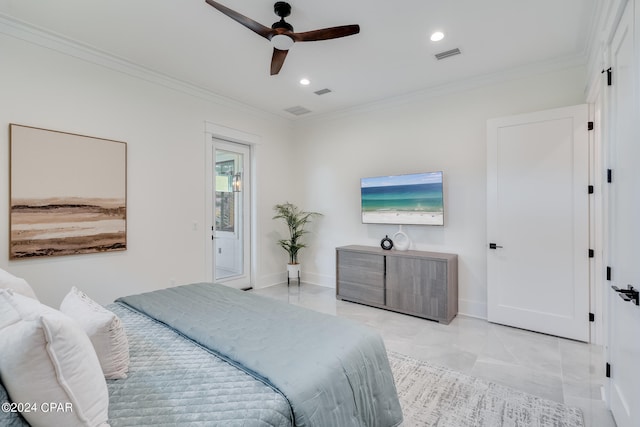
282 42
281 34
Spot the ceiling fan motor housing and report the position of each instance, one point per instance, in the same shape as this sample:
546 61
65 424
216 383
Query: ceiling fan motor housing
283 25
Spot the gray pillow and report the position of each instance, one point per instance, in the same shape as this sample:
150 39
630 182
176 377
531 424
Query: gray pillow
9 419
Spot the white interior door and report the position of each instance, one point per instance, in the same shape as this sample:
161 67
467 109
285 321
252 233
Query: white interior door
231 214
624 228
538 229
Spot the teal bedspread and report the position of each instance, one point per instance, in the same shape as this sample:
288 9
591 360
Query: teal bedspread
334 372
173 381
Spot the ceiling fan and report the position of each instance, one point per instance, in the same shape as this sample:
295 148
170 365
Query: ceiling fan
281 33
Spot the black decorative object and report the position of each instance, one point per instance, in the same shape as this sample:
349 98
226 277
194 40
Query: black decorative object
386 243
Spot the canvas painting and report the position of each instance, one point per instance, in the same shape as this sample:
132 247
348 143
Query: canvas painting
67 194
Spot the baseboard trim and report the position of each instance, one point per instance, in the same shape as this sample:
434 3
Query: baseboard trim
319 279
477 309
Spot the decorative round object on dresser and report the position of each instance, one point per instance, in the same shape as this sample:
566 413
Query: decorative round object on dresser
386 243
401 240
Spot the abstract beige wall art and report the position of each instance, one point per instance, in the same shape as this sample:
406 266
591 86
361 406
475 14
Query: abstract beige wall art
68 193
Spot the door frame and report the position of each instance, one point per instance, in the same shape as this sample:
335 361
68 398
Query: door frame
597 214
626 19
216 131
601 96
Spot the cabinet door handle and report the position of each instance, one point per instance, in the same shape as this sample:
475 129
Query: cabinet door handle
494 246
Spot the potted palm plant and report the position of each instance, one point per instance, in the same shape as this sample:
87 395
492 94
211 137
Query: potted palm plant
296 221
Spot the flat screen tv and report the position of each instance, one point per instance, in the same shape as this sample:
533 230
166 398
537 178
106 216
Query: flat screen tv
413 199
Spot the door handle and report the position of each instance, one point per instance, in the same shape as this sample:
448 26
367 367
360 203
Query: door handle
494 246
629 294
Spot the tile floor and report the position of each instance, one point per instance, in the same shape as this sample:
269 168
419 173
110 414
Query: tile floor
562 370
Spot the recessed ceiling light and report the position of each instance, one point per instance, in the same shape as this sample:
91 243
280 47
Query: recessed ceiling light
437 36
305 82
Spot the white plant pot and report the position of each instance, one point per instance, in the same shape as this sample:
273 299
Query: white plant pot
293 271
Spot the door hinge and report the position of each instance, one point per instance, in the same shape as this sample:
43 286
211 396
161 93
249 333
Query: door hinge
607 370
590 189
609 176
609 273
609 73
589 125
592 253
592 317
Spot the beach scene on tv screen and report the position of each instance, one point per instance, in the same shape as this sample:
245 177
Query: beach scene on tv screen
403 199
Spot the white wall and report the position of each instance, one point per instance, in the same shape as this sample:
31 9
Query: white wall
164 130
416 134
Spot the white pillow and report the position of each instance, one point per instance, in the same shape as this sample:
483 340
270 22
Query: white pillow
9 281
46 357
104 329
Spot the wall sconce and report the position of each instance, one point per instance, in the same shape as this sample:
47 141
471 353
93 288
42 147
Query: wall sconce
236 184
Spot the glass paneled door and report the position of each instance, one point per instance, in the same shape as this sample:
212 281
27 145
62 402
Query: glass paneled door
231 211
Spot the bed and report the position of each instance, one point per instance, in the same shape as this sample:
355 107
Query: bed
206 354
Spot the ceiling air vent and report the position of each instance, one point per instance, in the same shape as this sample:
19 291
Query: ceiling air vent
297 110
322 91
447 54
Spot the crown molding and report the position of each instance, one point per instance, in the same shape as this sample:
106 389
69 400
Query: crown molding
21 30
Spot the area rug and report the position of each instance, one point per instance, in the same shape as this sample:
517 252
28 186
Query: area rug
436 396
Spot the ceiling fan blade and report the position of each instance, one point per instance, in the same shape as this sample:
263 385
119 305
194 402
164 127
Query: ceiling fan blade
254 26
325 33
277 60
